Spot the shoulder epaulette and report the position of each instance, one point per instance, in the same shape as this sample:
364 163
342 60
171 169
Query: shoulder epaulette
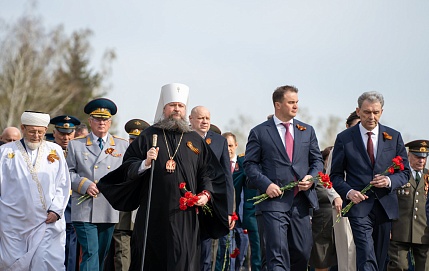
120 138
241 154
79 137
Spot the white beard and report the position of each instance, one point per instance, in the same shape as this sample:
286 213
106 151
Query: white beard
31 145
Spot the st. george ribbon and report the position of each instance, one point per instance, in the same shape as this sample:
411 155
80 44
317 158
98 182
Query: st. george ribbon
149 196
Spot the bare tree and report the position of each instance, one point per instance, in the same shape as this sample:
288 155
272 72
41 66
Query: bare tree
240 127
46 70
327 130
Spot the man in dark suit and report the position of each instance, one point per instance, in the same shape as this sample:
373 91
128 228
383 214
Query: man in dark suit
279 151
200 122
360 154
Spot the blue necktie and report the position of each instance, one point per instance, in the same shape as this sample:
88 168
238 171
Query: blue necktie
100 143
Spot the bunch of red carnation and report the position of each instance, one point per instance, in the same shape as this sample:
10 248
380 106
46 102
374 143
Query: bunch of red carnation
397 164
325 180
188 200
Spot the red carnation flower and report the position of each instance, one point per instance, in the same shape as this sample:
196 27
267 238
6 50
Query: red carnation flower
182 200
182 185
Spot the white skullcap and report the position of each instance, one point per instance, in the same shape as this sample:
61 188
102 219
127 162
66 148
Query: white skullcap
35 118
171 93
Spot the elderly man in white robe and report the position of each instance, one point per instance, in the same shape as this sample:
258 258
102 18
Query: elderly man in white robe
34 191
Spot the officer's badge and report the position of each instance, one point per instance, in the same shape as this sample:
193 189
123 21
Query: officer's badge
113 152
208 141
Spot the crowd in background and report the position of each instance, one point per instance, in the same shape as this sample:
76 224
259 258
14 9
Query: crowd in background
89 192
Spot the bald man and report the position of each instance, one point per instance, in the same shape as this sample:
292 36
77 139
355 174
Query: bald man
200 123
10 134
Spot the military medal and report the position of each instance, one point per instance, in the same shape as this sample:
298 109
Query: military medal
170 166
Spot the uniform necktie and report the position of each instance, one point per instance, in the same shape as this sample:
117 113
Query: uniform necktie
370 148
100 143
417 177
289 150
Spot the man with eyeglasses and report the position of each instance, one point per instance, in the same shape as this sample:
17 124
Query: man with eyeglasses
90 158
34 191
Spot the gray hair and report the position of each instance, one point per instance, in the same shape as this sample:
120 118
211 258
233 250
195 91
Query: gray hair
371 96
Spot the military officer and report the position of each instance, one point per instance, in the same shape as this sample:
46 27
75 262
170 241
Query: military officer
410 232
120 249
134 127
64 129
90 158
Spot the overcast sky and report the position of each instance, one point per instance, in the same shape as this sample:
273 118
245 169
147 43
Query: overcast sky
233 54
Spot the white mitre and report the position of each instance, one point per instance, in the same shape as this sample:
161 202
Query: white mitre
35 118
171 93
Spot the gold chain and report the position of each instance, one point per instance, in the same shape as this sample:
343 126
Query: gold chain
178 145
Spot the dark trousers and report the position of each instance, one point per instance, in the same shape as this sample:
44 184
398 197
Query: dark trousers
371 235
206 254
71 248
400 252
94 239
261 233
288 237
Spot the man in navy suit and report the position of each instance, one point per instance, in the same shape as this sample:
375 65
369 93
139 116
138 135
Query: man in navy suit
200 122
360 154
279 151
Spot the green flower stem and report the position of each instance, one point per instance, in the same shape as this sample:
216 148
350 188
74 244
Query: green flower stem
264 196
368 187
228 243
83 198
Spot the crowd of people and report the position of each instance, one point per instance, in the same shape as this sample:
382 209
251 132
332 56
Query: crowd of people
176 195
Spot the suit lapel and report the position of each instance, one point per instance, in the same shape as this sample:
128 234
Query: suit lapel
91 146
297 134
381 142
274 134
357 138
109 144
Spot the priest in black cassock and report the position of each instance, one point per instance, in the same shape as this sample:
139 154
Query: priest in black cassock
181 156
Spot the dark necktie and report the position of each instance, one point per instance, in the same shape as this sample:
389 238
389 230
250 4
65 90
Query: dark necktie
417 177
370 148
100 143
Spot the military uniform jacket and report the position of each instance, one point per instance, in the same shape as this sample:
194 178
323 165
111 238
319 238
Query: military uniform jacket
87 164
411 226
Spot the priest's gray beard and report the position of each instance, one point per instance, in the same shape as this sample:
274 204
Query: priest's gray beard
32 145
171 124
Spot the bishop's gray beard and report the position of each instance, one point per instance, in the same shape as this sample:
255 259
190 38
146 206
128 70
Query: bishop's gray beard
31 145
171 124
